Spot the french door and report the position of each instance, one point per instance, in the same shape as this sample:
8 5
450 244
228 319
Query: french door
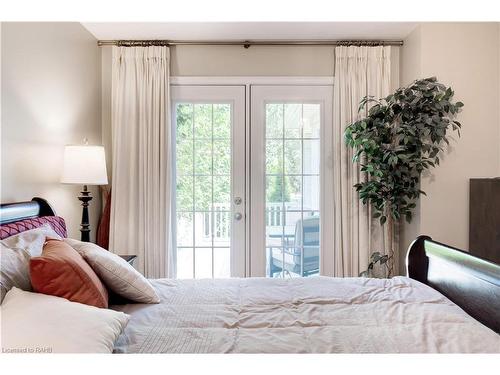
291 180
251 195
209 230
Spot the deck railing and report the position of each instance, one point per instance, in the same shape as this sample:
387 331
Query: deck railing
221 226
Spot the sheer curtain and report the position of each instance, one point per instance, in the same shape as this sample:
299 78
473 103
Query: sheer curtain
359 71
141 134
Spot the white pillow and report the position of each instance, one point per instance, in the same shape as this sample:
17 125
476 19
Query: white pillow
116 273
15 255
39 323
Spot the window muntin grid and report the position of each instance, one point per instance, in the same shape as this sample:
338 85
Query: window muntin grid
292 188
203 189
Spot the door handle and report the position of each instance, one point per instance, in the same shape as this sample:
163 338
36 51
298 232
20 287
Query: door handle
238 216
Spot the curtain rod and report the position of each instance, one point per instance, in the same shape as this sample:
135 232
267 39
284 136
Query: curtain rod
248 43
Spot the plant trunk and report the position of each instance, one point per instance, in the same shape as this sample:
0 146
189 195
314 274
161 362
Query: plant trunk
389 244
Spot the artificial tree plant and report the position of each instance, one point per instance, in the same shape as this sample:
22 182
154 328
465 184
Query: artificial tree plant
401 136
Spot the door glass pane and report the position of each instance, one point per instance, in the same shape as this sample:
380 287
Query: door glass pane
274 121
203 190
293 157
203 157
222 157
293 116
184 121
274 156
184 157
311 156
203 262
185 229
222 121
184 262
311 117
202 193
202 121
293 193
184 200
292 189
221 266
310 199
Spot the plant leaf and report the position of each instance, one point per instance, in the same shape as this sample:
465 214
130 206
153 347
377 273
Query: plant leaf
400 137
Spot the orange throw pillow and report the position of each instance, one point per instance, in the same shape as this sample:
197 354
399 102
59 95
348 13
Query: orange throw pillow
60 271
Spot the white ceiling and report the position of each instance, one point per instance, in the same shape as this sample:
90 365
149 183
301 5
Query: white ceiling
250 30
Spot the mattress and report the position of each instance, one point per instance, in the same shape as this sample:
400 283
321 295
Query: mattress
301 315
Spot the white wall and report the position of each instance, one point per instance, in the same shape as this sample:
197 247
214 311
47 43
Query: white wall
51 81
466 57
254 61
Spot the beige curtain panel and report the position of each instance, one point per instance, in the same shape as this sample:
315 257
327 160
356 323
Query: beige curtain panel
359 71
142 158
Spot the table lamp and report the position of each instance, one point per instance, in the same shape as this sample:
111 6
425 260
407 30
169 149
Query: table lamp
84 165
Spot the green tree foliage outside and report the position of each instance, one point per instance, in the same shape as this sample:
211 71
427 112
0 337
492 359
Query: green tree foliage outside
283 151
203 154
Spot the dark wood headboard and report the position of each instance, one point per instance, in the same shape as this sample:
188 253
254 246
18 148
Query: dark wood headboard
471 282
10 212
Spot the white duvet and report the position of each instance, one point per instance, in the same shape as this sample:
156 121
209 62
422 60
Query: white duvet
301 315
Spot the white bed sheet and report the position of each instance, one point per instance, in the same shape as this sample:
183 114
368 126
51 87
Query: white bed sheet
301 315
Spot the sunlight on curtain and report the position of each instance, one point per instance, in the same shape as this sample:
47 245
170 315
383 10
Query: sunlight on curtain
140 205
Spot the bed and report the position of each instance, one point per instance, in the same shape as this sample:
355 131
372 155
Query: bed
448 302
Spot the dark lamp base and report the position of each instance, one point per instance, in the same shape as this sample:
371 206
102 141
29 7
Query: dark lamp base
85 198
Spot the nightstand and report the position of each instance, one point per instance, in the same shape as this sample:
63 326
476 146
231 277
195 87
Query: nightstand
129 258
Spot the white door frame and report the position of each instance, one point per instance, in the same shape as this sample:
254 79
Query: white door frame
249 81
302 94
236 96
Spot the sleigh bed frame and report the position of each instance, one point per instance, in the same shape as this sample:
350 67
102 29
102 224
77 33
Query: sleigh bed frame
468 281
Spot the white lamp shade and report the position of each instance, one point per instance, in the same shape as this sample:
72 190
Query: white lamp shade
84 165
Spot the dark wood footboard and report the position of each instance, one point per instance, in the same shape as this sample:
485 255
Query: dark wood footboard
468 281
